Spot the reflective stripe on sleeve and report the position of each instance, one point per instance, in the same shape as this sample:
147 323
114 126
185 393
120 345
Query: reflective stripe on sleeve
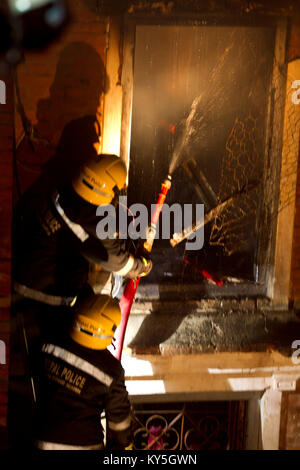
76 228
121 426
44 445
39 296
128 266
77 362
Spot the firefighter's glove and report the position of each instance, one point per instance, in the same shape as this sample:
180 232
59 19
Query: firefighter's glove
141 268
147 266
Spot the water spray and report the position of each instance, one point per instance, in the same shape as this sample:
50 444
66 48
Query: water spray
178 237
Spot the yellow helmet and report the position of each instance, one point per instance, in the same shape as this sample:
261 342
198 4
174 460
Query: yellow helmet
98 178
95 322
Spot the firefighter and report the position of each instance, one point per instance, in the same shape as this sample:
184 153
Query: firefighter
55 242
56 239
79 380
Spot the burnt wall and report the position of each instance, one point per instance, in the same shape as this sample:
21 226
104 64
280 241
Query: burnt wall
166 7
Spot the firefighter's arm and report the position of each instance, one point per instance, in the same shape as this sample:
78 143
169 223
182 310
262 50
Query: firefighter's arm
113 256
120 434
118 415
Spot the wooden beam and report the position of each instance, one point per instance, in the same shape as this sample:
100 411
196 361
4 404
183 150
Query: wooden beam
112 114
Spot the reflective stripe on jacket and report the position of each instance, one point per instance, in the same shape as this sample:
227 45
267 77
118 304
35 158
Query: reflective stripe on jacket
77 385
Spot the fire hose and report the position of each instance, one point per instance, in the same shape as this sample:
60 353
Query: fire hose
131 285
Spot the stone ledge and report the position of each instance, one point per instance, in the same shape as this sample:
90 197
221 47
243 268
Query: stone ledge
182 331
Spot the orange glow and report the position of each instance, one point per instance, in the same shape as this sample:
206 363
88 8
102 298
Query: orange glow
172 128
97 146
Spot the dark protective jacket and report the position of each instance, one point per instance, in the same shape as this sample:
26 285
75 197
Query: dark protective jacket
50 257
76 385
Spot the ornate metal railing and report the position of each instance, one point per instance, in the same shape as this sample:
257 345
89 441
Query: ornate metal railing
190 426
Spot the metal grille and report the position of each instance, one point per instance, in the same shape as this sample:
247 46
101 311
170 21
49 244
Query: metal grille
190 426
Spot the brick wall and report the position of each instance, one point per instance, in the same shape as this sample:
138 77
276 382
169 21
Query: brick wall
59 85
6 184
290 415
294 53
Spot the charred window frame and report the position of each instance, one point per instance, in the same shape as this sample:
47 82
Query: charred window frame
267 219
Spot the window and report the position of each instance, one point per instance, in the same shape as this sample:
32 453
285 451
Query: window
206 100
